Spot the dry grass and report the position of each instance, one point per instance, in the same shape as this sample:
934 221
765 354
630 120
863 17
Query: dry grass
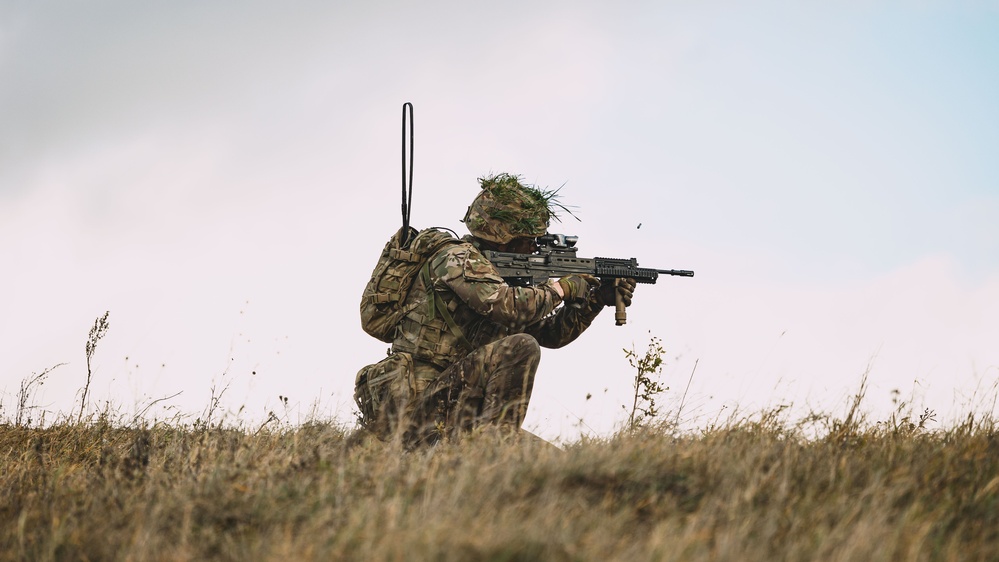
750 489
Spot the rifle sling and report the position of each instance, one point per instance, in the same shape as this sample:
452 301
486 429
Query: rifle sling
437 303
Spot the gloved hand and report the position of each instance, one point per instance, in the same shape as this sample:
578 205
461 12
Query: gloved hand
609 289
576 288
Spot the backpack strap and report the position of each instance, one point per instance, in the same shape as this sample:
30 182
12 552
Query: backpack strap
403 255
437 303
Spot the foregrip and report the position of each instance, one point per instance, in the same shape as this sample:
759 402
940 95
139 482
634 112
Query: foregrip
620 312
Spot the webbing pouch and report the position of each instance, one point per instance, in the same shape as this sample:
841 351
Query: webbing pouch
436 303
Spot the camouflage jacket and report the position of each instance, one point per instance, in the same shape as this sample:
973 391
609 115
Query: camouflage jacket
484 307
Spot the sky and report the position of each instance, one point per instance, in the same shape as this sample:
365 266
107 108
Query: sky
220 178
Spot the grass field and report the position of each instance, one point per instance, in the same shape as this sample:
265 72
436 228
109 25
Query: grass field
754 488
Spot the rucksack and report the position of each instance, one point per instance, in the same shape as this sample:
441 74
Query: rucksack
385 294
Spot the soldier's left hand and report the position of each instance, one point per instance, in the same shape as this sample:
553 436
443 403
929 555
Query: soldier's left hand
607 294
576 287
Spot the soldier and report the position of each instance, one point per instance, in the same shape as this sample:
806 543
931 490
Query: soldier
466 352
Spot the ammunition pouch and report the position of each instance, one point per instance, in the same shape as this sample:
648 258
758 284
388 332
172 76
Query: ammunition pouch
382 391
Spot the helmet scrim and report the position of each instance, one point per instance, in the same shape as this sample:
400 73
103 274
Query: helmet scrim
506 209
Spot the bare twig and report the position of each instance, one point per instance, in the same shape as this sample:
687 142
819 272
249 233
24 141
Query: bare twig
684 398
24 394
153 403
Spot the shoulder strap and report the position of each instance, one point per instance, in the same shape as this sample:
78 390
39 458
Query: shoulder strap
437 303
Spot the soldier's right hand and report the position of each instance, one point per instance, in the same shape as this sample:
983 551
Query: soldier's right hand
576 288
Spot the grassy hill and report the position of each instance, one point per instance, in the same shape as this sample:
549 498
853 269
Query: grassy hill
750 489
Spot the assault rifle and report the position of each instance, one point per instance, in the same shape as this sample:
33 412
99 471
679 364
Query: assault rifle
556 257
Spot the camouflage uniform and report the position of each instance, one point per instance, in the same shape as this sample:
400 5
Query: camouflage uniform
441 379
457 388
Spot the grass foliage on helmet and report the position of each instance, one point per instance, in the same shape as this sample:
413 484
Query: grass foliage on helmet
506 209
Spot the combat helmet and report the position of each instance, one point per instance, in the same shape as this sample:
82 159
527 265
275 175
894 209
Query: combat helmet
506 209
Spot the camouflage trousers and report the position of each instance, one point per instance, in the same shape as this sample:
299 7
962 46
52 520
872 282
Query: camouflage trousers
490 385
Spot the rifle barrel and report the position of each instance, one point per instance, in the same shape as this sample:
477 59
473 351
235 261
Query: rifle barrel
680 272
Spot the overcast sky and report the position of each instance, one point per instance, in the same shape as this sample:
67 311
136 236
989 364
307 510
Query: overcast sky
220 177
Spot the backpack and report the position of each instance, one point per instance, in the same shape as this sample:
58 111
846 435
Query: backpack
383 297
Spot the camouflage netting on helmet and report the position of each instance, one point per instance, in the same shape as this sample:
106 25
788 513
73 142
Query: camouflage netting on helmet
506 209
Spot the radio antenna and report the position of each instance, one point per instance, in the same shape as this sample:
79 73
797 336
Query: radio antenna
407 174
